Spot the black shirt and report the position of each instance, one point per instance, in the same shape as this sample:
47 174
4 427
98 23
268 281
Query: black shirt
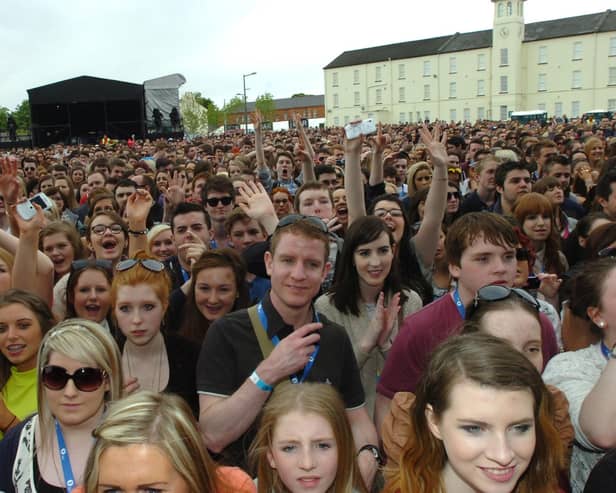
231 352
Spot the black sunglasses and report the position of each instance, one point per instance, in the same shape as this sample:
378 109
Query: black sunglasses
148 263
85 263
85 379
452 195
295 218
496 292
213 202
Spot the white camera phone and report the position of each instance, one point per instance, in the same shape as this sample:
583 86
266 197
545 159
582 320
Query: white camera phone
27 211
355 129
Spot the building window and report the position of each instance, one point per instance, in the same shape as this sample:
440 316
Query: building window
402 117
379 96
481 113
355 76
576 79
336 101
401 94
577 50
613 46
504 57
543 54
453 115
378 74
347 118
541 83
481 61
575 109
558 110
427 115
402 71
541 107
453 89
356 98
481 87
418 116
504 84
427 68
611 104
503 112
509 9
453 65
335 79
501 9
611 81
337 121
467 114
426 91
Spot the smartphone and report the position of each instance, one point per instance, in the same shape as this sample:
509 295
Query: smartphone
27 211
533 282
355 129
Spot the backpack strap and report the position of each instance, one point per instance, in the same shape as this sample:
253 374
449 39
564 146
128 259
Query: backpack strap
265 343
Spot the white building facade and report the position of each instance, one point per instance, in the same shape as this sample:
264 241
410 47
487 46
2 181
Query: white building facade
563 66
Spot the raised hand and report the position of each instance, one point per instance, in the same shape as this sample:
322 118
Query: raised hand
192 249
32 226
174 194
436 144
379 141
138 206
380 332
257 120
9 183
255 201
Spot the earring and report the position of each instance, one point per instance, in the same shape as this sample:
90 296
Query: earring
602 324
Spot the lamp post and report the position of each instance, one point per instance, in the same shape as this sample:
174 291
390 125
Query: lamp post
246 101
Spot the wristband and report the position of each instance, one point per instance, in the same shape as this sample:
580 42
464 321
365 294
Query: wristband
138 233
254 378
376 453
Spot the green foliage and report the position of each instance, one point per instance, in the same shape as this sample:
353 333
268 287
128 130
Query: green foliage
266 106
194 115
298 95
214 116
234 105
4 113
205 102
22 115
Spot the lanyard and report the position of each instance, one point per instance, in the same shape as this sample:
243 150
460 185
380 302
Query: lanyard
606 351
276 341
67 470
459 305
185 274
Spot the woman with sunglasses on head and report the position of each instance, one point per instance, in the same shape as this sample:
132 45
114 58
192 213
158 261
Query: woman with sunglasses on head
150 441
24 320
415 255
368 297
588 376
480 422
151 359
79 372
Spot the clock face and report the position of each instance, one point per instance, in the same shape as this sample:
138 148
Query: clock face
504 32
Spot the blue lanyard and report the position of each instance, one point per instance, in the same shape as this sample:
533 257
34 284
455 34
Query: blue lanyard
459 305
276 341
67 470
606 351
185 274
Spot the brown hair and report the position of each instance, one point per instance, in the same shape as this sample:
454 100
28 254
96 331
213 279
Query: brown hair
302 227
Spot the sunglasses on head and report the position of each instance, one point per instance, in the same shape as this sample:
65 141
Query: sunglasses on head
496 292
150 264
213 202
295 218
85 379
82 264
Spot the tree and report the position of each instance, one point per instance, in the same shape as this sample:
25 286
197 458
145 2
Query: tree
4 113
194 116
205 102
214 116
298 95
266 106
234 105
22 115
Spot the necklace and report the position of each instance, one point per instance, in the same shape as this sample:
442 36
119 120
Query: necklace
156 375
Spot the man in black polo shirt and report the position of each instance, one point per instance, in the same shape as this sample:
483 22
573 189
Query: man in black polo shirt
233 378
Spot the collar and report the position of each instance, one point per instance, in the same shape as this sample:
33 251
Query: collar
275 324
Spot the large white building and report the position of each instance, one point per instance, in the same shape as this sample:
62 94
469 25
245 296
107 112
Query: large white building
563 66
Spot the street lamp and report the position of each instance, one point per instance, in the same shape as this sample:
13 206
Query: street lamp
246 102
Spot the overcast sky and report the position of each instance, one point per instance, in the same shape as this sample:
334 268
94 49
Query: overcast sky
213 43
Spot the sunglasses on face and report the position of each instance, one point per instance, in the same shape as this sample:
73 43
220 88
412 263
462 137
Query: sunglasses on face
85 379
453 195
295 218
392 212
101 229
150 264
213 202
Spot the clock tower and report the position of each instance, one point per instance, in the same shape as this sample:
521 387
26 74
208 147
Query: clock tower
507 62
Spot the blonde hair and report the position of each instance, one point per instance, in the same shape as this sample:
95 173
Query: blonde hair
164 421
84 341
309 398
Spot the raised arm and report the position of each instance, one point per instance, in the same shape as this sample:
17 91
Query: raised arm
376 167
305 150
137 209
426 239
353 185
257 204
265 175
32 270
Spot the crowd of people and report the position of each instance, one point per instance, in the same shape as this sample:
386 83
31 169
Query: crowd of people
428 308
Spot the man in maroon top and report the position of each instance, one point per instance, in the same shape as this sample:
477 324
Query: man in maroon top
480 248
